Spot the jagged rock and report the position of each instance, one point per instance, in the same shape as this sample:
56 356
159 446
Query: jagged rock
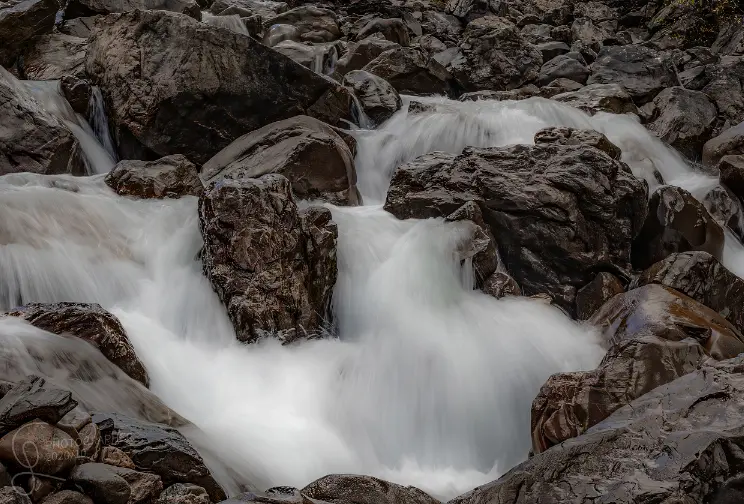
394 30
727 143
158 449
31 139
344 488
481 247
168 177
79 27
319 58
725 87
700 276
233 85
377 97
360 53
723 206
21 21
550 50
101 483
91 323
77 92
114 456
39 446
442 26
67 497
53 56
263 8
313 24
546 203
494 55
183 493
273 267
145 488
563 66
83 8
30 399
308 152
686 119
410 72
676 222
536 33
594 34
13 495
643 72
594 294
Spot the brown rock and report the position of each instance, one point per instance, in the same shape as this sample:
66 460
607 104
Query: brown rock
184 493
39 446
730 141
14 495
21 21
101 483
40 487
168 177
313 24
600 98
114 456
53 56
594 294
393 30
90 441
80 8
731 168
67 497
308 152
78 93
345 488
145 488
360 53
379 100
31 399
91 323
410 72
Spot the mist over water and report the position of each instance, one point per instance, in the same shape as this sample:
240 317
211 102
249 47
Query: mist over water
429 382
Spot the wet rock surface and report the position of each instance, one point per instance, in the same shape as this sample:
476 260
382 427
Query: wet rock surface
379 100
168 177
21 21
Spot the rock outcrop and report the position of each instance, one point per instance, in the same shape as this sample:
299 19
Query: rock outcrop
21 21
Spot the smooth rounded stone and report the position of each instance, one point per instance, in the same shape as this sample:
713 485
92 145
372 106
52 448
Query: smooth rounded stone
90 441
14 495
278 33
730 142
731 168
74 421
144 487
284 259
40 487
114 456
54 55
319 58
313 24
685 120
676 222
91 323
235 85
563 66
308 152
31 399
520 189
83 8
168 177
410 72
594 294
643 72
600 98
31 139
552 49
344 488
378 98
702 277
495 56
77 92
183 493
39 446
358 54
20 22
101 483
67 497
394 30
158 449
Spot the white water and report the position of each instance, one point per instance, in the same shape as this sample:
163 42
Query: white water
430 382
231 22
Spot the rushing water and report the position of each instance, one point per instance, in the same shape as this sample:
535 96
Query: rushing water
429 383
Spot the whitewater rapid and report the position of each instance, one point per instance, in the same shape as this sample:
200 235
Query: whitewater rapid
429 382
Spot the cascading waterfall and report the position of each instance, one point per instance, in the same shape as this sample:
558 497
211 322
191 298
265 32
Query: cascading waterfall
430 382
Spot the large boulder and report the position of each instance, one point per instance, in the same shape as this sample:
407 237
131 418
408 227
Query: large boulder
53 56
40 447
685 121
643 72
82 8
409 71
676 222
168 177
21 21
700 276
563 209
358 54
31 139
90 323
101 483
655 335
346 488
494 55
563 67
306 151
177 86
729 142
678 444
157 449
379 100
595 98
273 266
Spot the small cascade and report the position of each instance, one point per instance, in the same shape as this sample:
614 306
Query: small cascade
98 120
360 117
231 22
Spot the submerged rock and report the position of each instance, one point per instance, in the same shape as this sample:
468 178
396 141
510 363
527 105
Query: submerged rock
561 209
168 177
273 266
308 152
232 85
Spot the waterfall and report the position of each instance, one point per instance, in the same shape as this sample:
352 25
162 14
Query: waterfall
98 121
231 22
430 382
